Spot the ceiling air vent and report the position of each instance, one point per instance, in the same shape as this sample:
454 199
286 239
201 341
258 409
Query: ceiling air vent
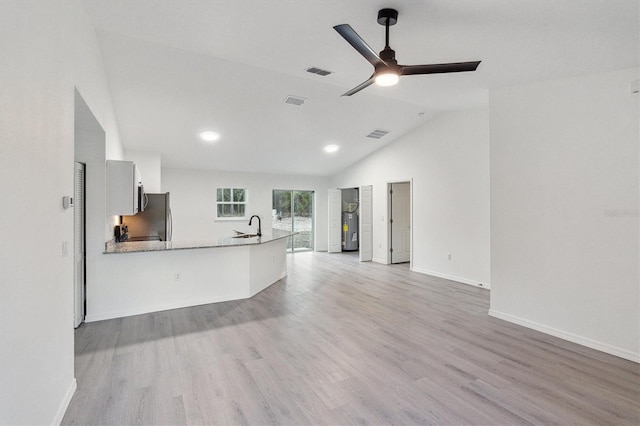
377 134
316 70
295 100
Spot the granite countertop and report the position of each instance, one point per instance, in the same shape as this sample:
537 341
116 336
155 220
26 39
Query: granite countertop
144 246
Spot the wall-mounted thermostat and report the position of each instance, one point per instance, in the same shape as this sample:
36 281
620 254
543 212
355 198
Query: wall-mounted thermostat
67 201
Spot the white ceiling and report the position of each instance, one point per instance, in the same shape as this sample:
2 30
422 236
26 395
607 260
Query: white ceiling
179 67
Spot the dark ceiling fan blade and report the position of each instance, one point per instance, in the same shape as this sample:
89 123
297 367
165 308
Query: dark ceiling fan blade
359 44
438 68
360 87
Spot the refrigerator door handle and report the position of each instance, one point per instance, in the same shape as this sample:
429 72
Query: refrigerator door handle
170 225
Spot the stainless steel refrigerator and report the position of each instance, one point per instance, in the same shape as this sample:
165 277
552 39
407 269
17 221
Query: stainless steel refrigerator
152 224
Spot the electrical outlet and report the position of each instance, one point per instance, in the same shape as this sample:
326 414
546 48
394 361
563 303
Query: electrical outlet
65 248
177 276
449 256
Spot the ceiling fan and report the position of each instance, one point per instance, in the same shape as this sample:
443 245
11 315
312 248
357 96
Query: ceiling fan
386 69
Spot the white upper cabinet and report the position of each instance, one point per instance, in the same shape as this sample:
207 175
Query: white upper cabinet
124 185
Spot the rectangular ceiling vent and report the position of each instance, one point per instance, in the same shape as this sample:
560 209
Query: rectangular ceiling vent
295 100
316 70
377 134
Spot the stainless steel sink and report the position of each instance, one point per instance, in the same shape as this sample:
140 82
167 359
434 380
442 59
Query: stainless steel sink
245 236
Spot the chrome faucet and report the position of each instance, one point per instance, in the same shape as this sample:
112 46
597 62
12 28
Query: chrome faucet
259 224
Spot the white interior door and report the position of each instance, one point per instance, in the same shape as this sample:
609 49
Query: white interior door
78 244
335 217
400 222
366 223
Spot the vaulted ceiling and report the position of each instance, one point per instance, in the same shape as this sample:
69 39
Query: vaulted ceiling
176 68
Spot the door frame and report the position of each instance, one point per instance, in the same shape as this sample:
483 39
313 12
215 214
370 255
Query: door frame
388 221
365 237
79 236
334 218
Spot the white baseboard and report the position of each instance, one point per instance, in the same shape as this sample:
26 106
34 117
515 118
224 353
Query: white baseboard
157 308
571 337
253 293
452 278
170 306
62 409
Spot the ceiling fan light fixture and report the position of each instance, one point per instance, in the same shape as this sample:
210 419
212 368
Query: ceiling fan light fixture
387 78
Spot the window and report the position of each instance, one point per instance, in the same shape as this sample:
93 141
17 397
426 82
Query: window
231 204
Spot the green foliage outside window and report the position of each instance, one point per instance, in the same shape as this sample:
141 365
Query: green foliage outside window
231 203
303 201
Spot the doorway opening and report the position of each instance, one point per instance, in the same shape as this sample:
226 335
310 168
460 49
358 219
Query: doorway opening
399 203
350 221
292 211
350 213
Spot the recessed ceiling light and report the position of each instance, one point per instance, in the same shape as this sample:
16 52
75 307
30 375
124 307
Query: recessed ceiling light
331 148
209 136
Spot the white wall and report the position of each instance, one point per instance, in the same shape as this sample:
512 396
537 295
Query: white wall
448 160
564 209
48 48
193 201
150 167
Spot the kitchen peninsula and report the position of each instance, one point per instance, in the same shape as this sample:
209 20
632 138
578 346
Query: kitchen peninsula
151 276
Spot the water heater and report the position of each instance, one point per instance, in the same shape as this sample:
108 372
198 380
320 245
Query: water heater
349 231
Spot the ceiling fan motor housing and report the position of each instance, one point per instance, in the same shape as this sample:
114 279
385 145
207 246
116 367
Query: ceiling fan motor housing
388 55
389 63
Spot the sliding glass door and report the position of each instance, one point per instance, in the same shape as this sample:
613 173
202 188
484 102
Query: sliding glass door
293 211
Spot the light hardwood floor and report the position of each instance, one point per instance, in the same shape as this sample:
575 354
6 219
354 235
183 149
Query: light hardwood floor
343 342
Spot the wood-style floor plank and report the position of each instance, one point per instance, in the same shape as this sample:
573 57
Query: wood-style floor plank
339 342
